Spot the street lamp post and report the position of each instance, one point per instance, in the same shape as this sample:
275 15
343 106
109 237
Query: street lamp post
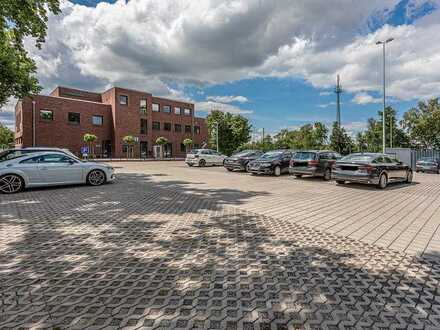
216 134
383 43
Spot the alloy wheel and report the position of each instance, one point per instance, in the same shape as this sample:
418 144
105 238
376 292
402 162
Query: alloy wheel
383 181
96 177
202 163
10 184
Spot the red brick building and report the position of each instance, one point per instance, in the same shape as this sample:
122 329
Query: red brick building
62 118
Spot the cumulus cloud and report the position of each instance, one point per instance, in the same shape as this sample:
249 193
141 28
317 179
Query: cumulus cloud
228 99
7 116
146 44
209 106
365 98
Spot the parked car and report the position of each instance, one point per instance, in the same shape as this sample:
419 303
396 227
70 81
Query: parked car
50 169
371 168
314 163
203 157
14 153
428 164
273 162
240 160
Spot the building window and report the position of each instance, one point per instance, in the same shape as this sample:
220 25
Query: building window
125 148
178 110
144 127
97 120
177 128
156 125
123 99
143 105
166 109
183 147
187 129
46 114
167 126
74 118
196 129
155 107
187 112
196 146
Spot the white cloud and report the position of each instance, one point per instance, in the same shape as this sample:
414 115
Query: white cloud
228 99
325 93
209 106
147 44
365 98
7 114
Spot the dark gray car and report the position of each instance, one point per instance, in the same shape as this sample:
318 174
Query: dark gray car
240 160
371 168
314 163
428 164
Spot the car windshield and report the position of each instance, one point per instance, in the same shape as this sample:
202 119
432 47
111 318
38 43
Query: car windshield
427 159
305 155
271 155
359 158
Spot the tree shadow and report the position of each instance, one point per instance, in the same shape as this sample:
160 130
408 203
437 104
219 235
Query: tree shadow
168 255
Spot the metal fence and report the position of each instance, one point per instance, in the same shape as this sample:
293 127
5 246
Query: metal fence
411 156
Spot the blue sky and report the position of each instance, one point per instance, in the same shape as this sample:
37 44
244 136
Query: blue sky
273 62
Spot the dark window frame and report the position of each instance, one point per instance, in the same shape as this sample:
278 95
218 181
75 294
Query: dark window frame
156 127
98 116
187 130
143 109
166 106
122 96
74 122
178 130
143 128
167 127
46 119
197 130
158 107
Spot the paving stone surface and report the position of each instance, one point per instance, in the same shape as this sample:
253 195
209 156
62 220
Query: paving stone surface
151 252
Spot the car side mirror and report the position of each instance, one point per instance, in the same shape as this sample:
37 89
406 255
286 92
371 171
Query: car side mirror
71 162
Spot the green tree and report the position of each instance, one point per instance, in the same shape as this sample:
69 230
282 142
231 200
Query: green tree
233 131
422 124
187 143
19 20
340 141
372 137
90 139
161 141
6 136
129 140
306 137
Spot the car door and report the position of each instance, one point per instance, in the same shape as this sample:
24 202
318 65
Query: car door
218 157
60 169
30 168
393 168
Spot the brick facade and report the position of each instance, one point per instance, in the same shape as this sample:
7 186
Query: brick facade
54 129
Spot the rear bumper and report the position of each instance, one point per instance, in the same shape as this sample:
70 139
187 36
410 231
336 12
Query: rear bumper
111 177
358 178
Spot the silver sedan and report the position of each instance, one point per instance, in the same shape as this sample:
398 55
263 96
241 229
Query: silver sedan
50 169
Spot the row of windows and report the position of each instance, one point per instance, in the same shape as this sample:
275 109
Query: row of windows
168 148
167 127
123 100
72 117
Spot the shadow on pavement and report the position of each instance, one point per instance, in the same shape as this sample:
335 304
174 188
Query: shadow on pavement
140 253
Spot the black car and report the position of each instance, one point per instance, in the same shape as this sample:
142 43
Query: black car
273 162
428 164
240 160
314 163
371 168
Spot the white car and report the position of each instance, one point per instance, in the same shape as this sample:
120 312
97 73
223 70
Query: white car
50 169
203 157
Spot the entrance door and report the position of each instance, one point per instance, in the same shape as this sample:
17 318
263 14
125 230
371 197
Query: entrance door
106 149
143 148
168 150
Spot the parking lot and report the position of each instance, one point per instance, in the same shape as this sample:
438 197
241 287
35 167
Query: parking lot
168 246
